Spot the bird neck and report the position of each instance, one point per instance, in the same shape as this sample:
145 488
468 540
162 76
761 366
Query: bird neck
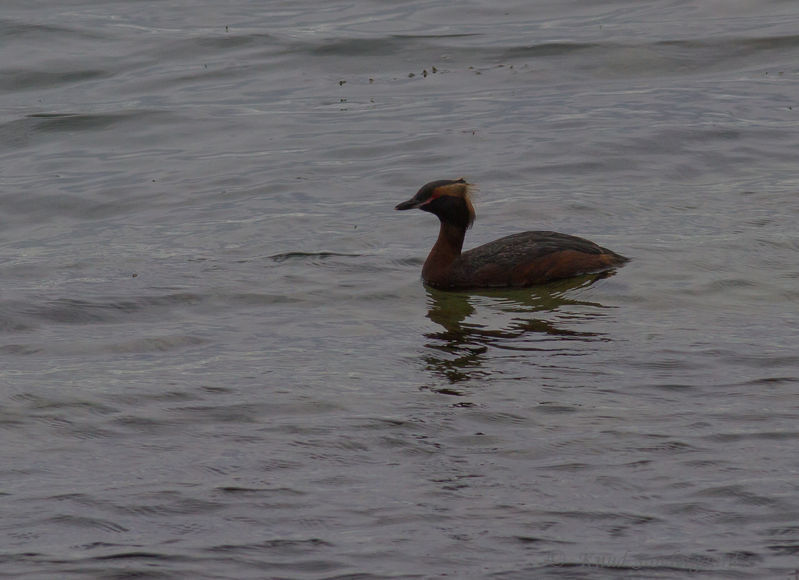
446 250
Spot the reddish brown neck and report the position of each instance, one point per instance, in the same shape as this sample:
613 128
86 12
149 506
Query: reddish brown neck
446 250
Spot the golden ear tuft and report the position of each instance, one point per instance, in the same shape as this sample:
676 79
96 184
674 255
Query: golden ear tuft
467 191
467 197
455 188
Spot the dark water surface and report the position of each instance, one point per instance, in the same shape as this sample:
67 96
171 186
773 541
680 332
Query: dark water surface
217 358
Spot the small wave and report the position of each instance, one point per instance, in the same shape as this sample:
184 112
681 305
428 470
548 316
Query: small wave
156 344
283 545
310 256
18 80
86 522
76 311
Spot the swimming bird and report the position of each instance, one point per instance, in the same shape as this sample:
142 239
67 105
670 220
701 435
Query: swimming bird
523 259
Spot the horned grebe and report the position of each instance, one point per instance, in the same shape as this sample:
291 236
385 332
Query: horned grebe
523 259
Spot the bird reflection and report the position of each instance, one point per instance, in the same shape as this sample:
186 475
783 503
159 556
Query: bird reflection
458 352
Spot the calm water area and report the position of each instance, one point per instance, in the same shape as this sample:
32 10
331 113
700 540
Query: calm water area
218 360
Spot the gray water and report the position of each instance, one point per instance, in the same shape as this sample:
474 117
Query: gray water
218 359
